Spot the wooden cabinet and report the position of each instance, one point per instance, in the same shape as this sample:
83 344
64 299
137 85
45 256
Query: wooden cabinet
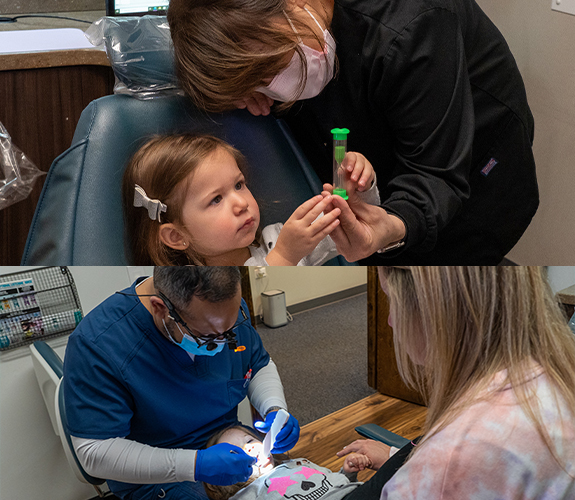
42 96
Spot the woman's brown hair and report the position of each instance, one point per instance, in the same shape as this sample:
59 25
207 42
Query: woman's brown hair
465 324
224 50
161 167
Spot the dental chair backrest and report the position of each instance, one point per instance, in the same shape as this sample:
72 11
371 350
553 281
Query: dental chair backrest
49 370
78 219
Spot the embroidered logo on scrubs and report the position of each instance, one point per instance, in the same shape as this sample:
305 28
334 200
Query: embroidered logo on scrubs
487 168
313 487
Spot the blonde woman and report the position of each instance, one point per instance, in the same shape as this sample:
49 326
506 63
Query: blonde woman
491 352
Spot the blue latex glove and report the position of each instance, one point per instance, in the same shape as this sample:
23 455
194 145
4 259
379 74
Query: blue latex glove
286 438
223 464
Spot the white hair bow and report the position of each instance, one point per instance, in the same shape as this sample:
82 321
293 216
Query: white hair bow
154 207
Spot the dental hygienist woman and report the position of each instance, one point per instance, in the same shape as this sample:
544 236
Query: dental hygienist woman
152 372
428 88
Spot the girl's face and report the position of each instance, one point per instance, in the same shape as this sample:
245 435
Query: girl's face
220 212
252 446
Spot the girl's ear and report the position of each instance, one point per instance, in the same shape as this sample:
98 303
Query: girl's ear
297 3
172 237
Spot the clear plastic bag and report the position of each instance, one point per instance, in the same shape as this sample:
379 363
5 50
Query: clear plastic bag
140 52
17 172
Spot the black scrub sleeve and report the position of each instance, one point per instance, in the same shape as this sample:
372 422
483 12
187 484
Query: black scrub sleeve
371 490
425 93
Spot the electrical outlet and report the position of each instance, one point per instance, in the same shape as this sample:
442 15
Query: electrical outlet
566 6
260 272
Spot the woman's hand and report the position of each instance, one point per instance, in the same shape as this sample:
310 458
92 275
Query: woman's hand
359 171
257 104
356 462
302 232
376 452
364 228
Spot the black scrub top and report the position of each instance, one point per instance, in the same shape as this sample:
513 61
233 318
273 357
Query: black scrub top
434 99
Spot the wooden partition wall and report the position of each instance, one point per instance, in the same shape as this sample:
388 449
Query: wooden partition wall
382 367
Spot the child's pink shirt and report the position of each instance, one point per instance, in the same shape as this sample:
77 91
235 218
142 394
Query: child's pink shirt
492 451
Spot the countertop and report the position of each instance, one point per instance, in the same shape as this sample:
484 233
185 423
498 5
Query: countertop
54 58
567 296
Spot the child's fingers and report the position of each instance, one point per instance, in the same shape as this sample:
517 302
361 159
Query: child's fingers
305 208
324 231
327 192
351 465
315 210
320 224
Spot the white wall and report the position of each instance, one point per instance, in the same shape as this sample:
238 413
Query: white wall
542 42
306 283
561 277
32 462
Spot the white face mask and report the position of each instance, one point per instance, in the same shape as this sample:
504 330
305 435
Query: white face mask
286 84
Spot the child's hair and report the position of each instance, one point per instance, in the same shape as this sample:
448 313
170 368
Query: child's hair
473 322
216 492
226 49
160 167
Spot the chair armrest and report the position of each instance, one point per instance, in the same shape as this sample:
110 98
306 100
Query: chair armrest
373 431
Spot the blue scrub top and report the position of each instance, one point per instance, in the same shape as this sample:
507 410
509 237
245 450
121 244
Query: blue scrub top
123 378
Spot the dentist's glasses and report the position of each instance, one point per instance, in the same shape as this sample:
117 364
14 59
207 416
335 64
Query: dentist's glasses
211 342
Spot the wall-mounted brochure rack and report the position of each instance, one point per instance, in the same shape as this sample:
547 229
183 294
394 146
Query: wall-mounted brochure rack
37 304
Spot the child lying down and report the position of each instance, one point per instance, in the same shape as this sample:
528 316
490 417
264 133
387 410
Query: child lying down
278 478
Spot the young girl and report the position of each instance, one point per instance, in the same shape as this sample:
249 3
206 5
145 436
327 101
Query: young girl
297 478
492 353
186 202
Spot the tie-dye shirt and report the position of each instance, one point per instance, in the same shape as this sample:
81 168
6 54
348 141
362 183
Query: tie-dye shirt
492 451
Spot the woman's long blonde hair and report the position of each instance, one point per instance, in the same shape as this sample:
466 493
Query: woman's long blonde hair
470 323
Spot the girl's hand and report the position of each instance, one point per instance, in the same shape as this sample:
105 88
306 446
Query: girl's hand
377 453
359 171
356 462
302 232
257 104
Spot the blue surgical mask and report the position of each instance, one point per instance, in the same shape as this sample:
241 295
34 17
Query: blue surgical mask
188 344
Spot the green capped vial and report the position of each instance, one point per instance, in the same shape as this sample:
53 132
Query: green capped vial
339 150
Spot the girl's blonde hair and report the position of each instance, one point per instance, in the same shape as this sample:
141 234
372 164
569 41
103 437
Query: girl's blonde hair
216 492
472 322
224 50
160 167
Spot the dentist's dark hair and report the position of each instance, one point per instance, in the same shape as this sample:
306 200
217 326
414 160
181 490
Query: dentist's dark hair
182 283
